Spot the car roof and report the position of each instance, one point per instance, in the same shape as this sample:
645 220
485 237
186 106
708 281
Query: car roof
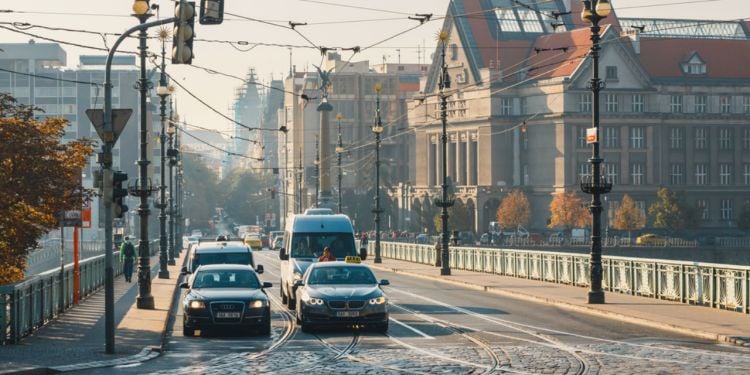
234 247
225 267
338 264
321 223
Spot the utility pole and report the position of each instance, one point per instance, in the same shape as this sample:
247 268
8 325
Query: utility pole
317 171
377 129
339 150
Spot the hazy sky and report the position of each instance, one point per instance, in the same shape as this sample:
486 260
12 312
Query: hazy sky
330 23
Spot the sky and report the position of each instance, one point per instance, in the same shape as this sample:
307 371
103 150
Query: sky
330 23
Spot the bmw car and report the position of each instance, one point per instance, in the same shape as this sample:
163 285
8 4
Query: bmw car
226 295
341 294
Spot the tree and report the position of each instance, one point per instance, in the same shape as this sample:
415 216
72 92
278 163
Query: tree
461 218
514 210
202 192
567 211
628 216
743 221
672 212
40 177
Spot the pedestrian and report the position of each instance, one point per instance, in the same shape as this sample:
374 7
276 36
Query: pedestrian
327 256
438 254
127 256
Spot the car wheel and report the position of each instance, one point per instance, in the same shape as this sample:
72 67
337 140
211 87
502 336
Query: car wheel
381 328
299 315
265 330
188 332
291 303
283 296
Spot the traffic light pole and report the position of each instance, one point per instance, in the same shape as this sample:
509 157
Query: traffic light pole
106 163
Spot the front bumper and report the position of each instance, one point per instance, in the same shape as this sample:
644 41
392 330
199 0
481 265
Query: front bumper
324 315
202 318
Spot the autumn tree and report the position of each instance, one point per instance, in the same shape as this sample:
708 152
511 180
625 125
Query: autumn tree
40 177
568 211
672 212
628 216
514 210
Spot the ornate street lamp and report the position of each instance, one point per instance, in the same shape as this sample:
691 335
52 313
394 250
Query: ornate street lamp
317 172
339 151
172 154
377 129
444 202
593 12
163 92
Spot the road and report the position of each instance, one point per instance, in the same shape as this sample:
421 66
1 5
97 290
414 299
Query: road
441 328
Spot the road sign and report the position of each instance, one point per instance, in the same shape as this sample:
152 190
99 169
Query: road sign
120 118
72 218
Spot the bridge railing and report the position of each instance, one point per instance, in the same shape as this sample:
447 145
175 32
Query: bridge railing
720 286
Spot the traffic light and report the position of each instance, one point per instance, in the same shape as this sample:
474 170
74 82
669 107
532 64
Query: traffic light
118 192
183 33
212 12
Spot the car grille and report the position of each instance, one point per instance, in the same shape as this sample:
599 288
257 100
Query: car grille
346 304
221 308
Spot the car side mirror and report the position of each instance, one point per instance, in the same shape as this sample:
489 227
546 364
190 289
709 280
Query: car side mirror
184 271
283 255
266 284
384 282
299 283
184 286
259 268
363 253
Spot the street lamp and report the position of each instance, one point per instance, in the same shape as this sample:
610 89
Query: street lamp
444 202
317 171
172 155
143 188
163 91
377 129
593 12
339 151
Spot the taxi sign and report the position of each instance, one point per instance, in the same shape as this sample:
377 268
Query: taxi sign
352 259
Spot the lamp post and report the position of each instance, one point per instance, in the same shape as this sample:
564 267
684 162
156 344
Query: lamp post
377 129
444 202
284 186
339 151
317 172
172 154
593 12
163 91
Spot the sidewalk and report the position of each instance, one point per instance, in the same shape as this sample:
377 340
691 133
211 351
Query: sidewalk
76 339
692 320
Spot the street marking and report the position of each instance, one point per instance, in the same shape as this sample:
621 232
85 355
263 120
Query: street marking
412 329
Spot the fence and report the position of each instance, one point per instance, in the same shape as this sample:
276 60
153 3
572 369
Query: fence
718 286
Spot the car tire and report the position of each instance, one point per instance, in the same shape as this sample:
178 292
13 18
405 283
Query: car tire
283 296
291 303
265 330
299 315
188 332
381 328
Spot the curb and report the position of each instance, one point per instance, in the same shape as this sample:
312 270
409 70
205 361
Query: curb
172 304
145 355
734 340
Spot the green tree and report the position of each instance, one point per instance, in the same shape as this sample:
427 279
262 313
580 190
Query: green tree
672 212
567 211
743 221
514 210
461 218
245 196
40 176
201 191
628 216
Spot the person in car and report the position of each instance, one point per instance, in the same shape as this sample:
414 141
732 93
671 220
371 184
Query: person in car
327 256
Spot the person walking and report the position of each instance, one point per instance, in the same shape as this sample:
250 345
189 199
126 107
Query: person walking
127 256
327 256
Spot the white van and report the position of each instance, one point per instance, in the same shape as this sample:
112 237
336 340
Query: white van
305 236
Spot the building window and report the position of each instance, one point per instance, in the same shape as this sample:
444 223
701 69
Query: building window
454 51
701 174
726 209
611 104
675 138
611 138
725 174
507 20
584 171
725 104
611 171
747 174
611 73
725 138
700 104
746 138
581 137
675 104
676 174
636 138
586 103
638 103
636 173
700 138
506 106
524 106
746 104
702 206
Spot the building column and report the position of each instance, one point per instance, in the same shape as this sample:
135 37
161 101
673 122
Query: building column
471 159
438 164
451 157
461 159
430 163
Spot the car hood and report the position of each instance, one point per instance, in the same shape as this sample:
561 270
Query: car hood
344 291
227 293
300 265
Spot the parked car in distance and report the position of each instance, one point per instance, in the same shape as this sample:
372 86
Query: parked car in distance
226 295
253 240
422 239
651 239
484 239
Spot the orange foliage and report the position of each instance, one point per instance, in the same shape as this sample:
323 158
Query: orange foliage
567 210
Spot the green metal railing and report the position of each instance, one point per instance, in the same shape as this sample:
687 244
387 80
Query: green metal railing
720 286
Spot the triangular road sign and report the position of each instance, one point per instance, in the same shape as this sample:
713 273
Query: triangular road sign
120 118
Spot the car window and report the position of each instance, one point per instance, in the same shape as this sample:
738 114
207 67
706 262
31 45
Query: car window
341 275
226 279
311 245
222 258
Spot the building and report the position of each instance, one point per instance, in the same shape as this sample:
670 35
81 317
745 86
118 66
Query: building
675 110
247 144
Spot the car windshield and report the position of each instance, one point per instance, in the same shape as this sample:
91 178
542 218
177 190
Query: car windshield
222 258
341 275
311 245
226 279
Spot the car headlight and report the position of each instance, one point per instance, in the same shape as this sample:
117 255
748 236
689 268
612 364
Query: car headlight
311 300
377 300
256 304
297 276
195 304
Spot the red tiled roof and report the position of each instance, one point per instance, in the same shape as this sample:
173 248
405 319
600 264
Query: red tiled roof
549 64
661 57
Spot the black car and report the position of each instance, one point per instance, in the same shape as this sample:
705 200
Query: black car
341 294
226 295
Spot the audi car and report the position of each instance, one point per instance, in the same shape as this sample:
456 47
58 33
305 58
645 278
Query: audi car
341 293
226 295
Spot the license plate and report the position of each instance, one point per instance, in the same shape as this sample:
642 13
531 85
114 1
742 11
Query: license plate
347 314
227 315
